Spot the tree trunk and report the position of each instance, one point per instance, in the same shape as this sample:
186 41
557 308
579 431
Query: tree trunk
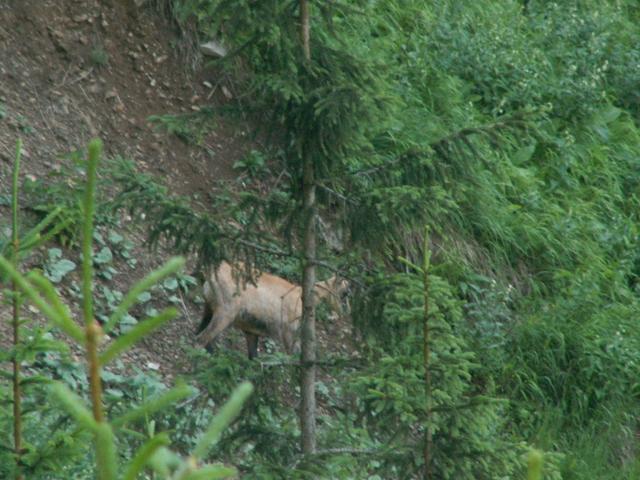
428 441
308 334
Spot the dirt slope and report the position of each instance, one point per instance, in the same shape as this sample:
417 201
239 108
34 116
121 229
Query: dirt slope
71 70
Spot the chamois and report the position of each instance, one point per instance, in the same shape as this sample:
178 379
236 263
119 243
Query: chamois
271 307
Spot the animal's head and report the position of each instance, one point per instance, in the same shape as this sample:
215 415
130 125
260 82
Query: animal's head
336 291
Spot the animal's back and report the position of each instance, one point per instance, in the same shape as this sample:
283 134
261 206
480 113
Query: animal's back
268 306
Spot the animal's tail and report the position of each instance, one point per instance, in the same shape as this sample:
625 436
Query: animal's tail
206 318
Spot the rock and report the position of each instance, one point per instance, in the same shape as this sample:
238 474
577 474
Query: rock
58 40
111 94
213 49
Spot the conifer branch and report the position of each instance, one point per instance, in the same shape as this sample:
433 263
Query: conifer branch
17 393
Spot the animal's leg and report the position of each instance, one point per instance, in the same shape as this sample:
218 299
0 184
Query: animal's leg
291 346
252 344
220 320
206 318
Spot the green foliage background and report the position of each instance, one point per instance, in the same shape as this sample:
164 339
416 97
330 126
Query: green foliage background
510 128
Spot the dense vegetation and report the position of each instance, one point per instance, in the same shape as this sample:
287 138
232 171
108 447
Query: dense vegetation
507 128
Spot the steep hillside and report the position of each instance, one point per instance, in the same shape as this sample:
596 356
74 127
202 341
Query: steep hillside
71 71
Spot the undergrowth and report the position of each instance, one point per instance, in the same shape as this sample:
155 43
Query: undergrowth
510 128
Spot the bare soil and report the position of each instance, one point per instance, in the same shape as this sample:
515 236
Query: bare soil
73 70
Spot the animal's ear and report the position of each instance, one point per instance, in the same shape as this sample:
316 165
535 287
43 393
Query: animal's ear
340 285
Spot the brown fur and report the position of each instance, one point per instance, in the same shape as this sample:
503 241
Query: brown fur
272 307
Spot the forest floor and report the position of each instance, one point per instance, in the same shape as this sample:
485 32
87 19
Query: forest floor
73 70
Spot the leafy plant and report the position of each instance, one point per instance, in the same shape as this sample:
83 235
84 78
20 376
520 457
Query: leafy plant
59 191
154 452
57 267
17 248
99 56
253 164
189 127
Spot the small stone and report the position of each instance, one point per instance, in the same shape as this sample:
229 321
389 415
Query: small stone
161 59
207 84
213 49
226 92
56 33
